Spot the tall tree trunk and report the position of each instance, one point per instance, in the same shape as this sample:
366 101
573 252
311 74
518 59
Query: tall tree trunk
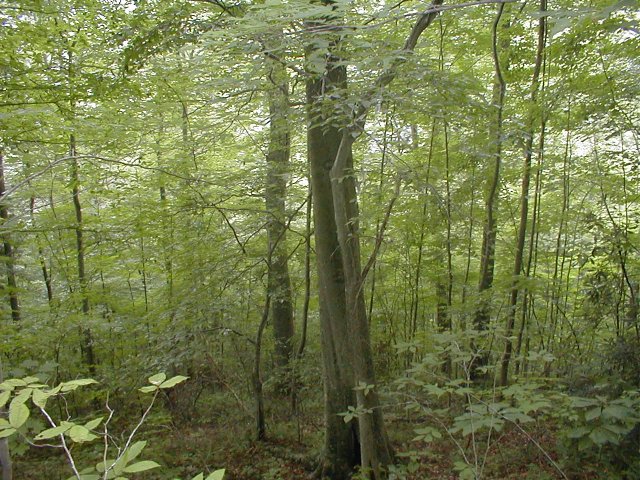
86 345
86 340
421 241
374 446
561 241
8 251
487 257
383 159
524 198
528 299
347 355
279 283
342 450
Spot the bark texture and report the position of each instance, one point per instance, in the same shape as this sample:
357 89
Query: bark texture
348 359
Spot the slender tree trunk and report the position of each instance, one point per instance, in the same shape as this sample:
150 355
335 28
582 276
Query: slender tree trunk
374 447
307 276
86 345
279 283
305 312
86 340
385 144
41 259
261 429
528 300
487 257
449 252
524 199
448 291
423 221
561 240
415 301
8 251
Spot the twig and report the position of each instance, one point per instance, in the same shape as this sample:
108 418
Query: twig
63 443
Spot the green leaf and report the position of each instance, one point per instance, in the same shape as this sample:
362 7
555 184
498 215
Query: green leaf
601 436
80 434
434 390
581 402
4 397
149 388
198 477
173 381
102 466
217 475
18 414
579 432
23 396
12 383
427 434
617 429
52 432
142 466
40 398
515 415
619 412
135 450
157 379
73 384
91 425
593 414
7 432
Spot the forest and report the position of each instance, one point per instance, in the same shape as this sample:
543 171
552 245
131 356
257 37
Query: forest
319 239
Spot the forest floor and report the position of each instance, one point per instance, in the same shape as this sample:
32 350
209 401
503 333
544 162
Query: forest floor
294 445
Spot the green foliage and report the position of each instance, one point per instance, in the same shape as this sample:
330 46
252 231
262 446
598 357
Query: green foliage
30 388
166 102
602 421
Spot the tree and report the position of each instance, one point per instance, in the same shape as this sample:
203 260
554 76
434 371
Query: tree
348 359
524 196
487 255
279 283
